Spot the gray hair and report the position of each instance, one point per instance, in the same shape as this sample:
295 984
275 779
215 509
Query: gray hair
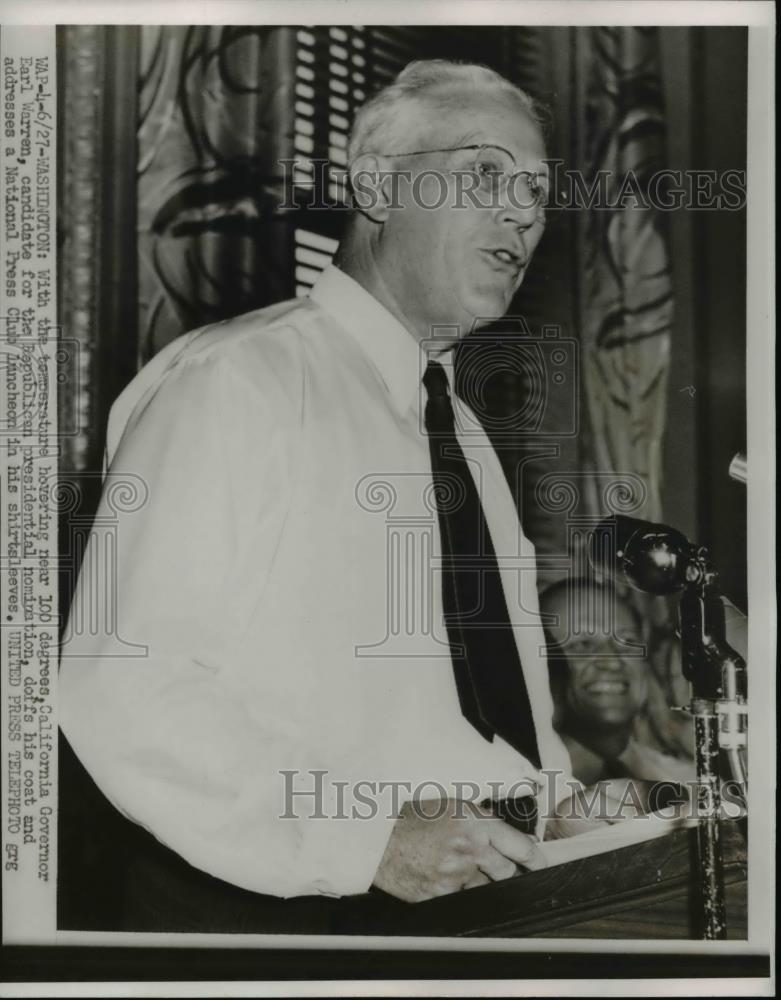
382 124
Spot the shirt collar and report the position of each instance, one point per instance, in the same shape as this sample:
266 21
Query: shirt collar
392 349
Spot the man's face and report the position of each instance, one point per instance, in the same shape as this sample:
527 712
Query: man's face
606 680
446 269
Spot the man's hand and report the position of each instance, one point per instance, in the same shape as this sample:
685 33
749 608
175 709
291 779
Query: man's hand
440 847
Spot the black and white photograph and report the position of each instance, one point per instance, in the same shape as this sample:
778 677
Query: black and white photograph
388 475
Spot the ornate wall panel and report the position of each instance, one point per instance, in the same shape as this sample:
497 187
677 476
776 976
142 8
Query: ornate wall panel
626 287
215 107
96 229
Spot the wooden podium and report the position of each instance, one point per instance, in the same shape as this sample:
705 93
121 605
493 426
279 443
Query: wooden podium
648 890
645 891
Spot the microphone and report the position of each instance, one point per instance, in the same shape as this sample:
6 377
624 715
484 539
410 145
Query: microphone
658 559
738 468
653 558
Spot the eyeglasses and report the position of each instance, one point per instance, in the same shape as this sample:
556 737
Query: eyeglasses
496 171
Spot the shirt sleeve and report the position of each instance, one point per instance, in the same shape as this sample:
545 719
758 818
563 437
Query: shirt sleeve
151 697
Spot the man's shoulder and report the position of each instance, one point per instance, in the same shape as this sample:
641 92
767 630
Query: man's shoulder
270 331
267 341
260 352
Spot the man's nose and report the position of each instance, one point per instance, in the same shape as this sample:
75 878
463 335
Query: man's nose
610 661
610 655
521 218
519 206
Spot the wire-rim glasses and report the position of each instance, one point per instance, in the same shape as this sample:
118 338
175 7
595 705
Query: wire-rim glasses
495 168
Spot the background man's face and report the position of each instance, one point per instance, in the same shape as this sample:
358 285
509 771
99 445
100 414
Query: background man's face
606 680
448 271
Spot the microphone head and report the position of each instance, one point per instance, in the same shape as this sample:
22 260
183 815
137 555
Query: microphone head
650 557
738 468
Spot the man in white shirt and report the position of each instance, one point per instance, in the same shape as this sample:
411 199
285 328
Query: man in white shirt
266 659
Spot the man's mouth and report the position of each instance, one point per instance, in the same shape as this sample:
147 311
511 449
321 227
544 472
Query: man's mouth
505 260
608 687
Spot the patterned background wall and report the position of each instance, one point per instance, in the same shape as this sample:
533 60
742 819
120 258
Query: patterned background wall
627 295
214 119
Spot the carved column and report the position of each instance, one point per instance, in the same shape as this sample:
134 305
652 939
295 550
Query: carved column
97 276
97 75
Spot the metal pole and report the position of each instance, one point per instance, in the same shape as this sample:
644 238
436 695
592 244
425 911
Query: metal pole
706 735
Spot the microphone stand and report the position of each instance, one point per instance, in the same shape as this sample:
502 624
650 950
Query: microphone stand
717 675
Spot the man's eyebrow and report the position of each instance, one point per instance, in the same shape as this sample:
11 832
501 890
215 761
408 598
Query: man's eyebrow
466 138
469 137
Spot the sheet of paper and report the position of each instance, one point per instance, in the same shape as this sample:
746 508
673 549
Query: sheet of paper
611 837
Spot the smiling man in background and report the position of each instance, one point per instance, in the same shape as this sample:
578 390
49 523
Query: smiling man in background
256 577
602 683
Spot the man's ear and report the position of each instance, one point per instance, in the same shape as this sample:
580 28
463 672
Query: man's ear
371 180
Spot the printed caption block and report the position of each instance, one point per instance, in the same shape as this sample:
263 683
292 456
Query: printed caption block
28 478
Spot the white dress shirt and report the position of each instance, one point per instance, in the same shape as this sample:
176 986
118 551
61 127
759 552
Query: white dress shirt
263 595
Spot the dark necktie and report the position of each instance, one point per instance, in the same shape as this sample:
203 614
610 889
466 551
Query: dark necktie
489 679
